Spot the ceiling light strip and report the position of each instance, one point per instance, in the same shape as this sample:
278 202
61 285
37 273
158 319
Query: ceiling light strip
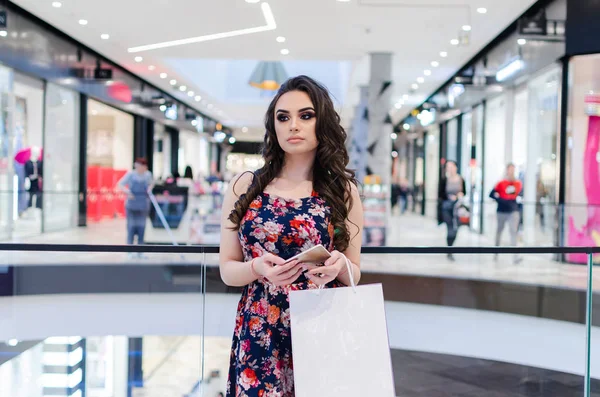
270 25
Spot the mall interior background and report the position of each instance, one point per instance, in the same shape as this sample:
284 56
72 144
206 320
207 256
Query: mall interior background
511 84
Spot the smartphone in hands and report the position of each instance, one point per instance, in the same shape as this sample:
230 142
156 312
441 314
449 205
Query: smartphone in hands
313 256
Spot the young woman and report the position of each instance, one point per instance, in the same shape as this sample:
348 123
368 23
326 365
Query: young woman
302 197
136 184
451 189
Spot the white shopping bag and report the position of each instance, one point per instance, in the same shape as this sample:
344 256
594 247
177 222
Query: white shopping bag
340 342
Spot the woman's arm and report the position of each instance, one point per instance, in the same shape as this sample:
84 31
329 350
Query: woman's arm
234 271
354 223
123 182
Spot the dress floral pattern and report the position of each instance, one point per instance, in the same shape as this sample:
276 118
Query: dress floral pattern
261 355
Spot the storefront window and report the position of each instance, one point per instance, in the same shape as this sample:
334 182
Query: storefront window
6 152
538 172
61 158
452 140
109 157
582 207
495 158
476 168
432 163
29 164
162 152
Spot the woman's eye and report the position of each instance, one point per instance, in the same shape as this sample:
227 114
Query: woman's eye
283 118
307 116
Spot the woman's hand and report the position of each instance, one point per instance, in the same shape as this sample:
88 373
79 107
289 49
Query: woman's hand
333 266
274 269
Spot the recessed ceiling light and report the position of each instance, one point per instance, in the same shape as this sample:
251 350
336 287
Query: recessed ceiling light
285 51
466 28
522 41
83 22
198 98
182 88
420 80
443 54
173 82
232 140
163 75
56 4
394 136
244 129
3 33
138 59
190 93
194 122
454 42
398 105
482 10
151 67
105 36
405 97
415 86
280 39
427 72
435 64
163 108
406 126
12 342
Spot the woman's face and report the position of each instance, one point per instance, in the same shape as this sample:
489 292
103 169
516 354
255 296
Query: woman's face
295 123
451 169
141 168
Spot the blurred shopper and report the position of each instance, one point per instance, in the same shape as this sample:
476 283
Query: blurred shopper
451 189
188 173
303 196
506 193
137 184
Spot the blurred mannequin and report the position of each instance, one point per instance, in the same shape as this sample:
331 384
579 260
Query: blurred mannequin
34 173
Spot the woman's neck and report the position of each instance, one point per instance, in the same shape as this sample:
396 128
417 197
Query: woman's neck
298 168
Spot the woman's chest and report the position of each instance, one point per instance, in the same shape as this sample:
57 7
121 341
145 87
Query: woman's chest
273 222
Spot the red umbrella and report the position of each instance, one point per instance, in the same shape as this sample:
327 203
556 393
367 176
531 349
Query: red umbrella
23 155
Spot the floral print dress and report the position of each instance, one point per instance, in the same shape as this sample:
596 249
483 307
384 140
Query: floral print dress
261 355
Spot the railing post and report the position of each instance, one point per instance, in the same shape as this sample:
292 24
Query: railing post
588 323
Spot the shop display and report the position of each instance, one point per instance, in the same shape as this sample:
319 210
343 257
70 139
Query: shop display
375 203
588 234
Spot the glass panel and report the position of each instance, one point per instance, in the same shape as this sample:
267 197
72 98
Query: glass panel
61 159
133 324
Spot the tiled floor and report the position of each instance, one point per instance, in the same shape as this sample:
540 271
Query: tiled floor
416 374
435 375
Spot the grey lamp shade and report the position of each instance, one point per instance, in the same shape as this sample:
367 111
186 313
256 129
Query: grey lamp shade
268 76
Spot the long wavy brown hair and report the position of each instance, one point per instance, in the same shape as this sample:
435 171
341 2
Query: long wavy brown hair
332 180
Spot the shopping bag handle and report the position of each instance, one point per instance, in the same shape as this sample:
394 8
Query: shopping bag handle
350 274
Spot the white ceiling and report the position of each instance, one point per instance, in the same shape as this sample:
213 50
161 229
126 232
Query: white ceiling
324 37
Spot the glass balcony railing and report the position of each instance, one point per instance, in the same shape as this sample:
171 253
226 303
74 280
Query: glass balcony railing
101 320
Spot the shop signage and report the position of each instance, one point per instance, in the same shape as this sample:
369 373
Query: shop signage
535 24
92 74
3 19
103 74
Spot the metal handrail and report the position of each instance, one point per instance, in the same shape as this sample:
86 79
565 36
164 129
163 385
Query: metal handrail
214 249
